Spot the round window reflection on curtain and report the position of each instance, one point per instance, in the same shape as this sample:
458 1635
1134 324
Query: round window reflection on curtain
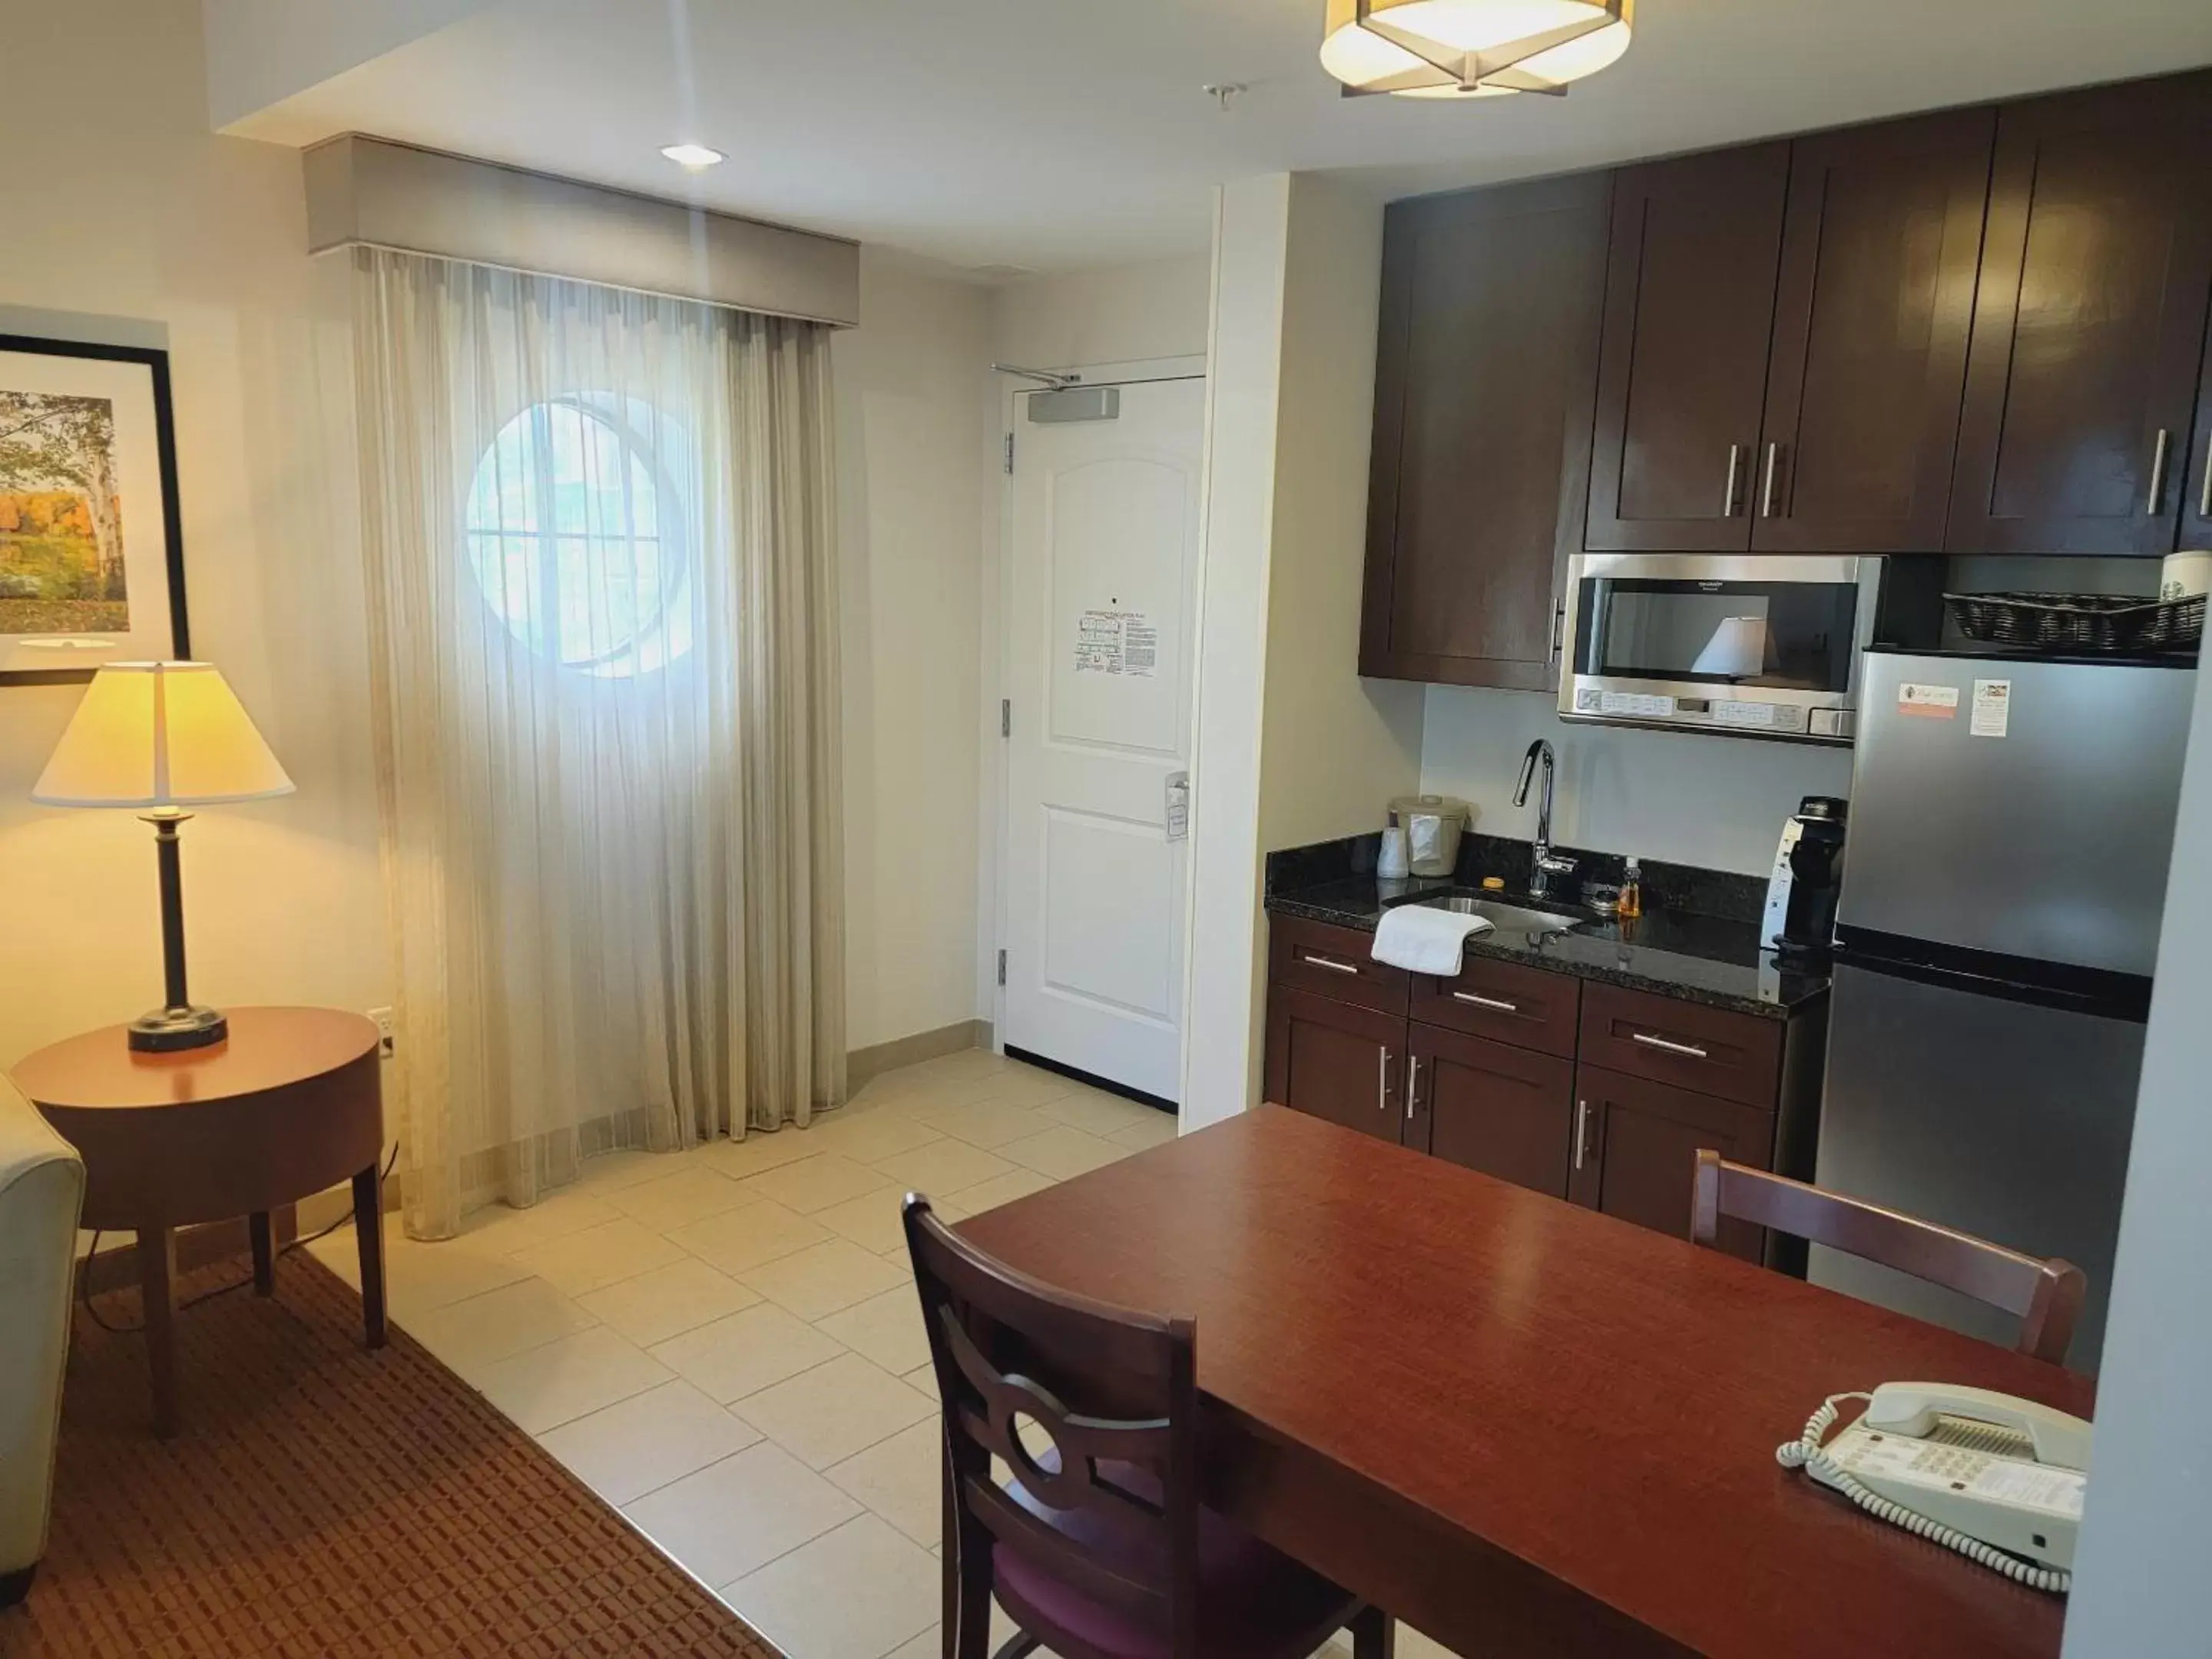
577 535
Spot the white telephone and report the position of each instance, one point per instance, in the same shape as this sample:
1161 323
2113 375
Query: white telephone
1998 1479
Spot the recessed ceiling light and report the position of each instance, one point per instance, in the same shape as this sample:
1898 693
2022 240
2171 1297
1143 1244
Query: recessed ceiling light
692 156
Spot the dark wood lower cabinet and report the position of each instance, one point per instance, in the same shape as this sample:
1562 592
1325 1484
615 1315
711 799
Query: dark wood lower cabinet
1638 1146
1337 1060
1589 1092
1503 1111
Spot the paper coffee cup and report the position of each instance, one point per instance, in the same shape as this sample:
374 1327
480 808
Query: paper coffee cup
2185 575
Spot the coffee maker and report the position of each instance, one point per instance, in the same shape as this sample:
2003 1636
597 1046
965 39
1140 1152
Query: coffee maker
1800 923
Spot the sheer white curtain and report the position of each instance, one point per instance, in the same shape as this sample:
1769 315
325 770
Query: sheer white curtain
602 620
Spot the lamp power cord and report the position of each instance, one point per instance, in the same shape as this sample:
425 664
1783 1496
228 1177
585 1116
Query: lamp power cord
1807 1452
84 1277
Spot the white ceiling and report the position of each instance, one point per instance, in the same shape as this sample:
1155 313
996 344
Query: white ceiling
1058 133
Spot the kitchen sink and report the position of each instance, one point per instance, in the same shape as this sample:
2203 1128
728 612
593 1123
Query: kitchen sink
1505 918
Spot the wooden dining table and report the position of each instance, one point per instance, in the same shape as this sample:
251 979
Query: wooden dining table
1521 1426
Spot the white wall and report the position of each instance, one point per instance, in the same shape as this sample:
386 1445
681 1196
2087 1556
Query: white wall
153 230
1334 747
149 228
2139 1584
1683 797
1112 314
1292 746
1250 245
914 439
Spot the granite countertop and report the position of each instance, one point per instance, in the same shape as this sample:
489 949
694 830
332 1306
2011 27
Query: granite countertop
1709 959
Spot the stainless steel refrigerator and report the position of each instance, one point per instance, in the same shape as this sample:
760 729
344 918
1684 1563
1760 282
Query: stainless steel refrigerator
2011 825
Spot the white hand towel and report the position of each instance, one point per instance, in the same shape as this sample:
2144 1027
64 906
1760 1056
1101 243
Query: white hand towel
1425 941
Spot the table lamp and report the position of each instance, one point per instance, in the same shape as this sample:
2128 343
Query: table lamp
165 735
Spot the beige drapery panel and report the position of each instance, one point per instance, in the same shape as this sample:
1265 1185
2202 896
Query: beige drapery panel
602 608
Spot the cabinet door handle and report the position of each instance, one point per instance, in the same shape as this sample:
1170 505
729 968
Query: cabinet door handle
1767 487
1581 1132
1499 1004
1413 1084
1329 963
1382 1081
1689 1049
2205 497
1559 610
2158 470
1735 470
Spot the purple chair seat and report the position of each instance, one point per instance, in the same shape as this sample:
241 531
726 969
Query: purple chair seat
1254 1602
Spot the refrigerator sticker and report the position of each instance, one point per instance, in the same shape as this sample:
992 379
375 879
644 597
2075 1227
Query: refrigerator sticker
1125 642
1934 702
1992 708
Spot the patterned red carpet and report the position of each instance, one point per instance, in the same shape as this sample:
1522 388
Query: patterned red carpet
323 1499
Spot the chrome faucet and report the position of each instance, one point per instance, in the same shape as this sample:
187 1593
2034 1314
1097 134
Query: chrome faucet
1545 864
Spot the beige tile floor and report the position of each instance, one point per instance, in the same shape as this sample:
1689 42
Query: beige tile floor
725 1343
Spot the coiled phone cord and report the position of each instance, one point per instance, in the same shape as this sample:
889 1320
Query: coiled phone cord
1809 1453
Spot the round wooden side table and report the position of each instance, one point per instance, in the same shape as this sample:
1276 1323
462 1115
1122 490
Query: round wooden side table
288 1105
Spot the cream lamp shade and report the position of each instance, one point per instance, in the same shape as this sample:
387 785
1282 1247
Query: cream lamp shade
1471 48
160 734
1737 649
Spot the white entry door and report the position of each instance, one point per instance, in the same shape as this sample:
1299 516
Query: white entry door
1104 568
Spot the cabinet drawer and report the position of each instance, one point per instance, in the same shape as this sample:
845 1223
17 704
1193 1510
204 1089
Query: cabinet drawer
1527 1007
1716 1052
1332 962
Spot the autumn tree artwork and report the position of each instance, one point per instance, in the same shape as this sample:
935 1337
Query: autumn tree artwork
61 518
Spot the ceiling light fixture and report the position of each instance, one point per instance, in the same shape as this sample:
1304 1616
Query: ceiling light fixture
1471 48
694 156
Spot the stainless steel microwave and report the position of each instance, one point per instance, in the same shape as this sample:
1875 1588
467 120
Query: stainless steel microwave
1759 646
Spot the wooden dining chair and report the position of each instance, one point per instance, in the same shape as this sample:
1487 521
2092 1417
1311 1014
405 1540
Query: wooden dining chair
2046 1294
1096 1544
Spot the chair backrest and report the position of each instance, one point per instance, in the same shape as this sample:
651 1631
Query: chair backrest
2046 1294
1116 1391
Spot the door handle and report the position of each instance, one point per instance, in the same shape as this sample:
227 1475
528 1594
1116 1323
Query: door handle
1501 1006
1767 487
1329 963
1688 1049
1413 1084
1581 1132
2204 497
2158 470
1382 1081
1559 610
1735 471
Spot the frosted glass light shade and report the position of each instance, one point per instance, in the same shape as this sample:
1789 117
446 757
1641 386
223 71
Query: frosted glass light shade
1472 48
160 734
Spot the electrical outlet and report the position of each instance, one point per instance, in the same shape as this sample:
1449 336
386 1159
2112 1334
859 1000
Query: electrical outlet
385 1035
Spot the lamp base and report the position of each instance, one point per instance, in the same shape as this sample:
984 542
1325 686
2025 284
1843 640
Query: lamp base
167 1030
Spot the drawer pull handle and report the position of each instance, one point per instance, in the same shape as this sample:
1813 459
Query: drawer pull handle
1688 1049
1500 1005
1329 963
1581 1132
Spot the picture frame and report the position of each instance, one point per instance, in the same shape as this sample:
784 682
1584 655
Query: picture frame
92 551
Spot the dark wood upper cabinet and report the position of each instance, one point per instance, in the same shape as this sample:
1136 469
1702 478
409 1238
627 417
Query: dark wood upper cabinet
2088 328
1337 1060
1879 248
1689 313
1485 363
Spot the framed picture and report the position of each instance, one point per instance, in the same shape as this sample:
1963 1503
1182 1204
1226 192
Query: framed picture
91 559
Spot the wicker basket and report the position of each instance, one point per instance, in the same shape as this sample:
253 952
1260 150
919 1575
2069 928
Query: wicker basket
2101 623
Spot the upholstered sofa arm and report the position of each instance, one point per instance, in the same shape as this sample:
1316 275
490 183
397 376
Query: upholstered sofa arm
41 1195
